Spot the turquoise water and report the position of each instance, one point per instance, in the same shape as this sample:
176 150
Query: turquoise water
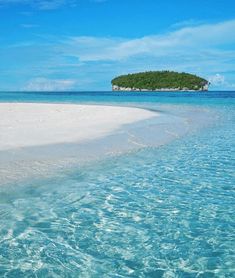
155 212
119 97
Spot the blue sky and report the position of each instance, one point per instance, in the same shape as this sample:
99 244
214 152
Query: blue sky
83 44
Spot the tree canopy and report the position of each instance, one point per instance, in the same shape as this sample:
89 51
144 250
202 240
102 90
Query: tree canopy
154 80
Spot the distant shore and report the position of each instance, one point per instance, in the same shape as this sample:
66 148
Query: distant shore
35 124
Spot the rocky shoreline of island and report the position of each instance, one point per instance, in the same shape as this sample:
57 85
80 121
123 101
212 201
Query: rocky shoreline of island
124 89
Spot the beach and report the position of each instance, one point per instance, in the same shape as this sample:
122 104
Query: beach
37 139
97 186
36 124
42 139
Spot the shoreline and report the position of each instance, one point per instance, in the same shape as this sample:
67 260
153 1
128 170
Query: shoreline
124 89
38 139
36 124
137 128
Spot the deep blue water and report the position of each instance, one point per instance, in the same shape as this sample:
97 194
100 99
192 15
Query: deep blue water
156 212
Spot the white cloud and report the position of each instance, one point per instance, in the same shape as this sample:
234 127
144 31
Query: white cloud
185 41
44 84
217 79
206 50
220 81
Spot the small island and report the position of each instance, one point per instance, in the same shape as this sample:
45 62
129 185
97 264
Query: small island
160 81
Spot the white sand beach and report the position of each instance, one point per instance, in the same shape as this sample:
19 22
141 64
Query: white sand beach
36 124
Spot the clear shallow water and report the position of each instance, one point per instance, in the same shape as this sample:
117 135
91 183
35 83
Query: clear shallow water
158 212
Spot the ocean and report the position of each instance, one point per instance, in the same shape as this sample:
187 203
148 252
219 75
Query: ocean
162 210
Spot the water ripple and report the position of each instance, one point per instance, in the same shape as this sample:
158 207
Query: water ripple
166 212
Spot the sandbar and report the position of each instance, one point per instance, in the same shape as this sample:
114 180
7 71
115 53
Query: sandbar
36 124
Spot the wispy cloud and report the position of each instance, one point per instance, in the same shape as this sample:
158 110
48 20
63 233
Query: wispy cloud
206 50
29 26
44 84
45 4
187 23
40 4
191 39
217 79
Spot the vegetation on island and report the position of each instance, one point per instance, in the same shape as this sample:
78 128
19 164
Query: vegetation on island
157 80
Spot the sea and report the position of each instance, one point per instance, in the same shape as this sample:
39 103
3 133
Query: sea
162 204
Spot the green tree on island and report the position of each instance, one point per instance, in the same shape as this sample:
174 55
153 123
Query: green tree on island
157 80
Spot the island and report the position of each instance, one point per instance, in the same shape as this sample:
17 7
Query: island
160 81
